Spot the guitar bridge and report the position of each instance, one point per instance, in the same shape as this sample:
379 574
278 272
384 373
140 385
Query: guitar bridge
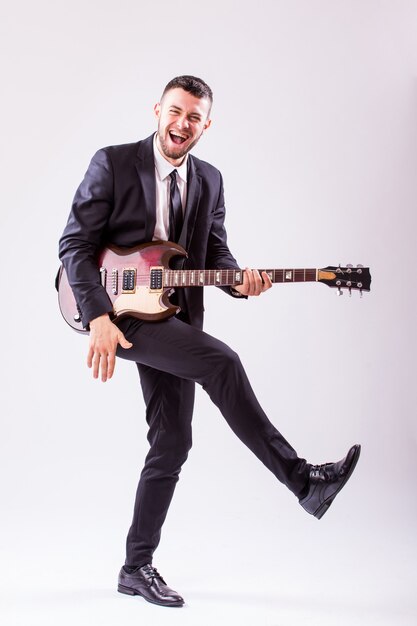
114 281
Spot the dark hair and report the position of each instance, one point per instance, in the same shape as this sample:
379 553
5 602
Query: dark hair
192 84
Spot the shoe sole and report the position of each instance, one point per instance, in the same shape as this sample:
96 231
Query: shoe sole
132 592
324 507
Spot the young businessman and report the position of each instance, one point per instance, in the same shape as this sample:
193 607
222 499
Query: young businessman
156 190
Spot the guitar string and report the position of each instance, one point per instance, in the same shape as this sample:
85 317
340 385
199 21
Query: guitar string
212 276
209 272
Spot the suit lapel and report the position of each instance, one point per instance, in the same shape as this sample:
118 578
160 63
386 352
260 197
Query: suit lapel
145 167
191 208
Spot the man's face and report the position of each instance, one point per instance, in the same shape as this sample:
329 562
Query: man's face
182 119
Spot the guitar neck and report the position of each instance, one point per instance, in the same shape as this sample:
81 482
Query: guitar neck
232 277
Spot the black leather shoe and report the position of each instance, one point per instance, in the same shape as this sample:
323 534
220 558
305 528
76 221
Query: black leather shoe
326 481
147 582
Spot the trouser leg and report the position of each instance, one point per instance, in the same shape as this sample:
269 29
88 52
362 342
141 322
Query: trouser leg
189 353
169 405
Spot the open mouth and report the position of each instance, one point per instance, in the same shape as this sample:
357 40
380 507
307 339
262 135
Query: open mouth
177 138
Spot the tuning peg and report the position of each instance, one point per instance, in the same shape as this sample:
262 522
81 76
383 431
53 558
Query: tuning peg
339 292
359 266
349 268
350 292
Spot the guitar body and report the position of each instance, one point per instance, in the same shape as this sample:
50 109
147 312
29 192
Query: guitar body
139 281
141 301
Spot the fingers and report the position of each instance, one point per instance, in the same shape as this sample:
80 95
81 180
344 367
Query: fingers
253 284
123 341
93 361
108 371
267 281
101 355
100 362
103 363
90 356
108 364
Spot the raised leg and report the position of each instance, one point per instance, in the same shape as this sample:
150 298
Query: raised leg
171 356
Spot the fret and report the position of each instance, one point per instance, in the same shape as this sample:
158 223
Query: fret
288 275
225 277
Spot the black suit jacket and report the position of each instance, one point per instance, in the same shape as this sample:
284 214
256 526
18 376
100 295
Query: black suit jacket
115 204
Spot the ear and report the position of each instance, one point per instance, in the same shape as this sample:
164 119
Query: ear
207 124
157 109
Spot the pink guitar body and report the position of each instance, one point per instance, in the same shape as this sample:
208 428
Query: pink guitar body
140 301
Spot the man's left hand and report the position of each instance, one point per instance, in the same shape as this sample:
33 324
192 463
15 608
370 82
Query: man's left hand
253 284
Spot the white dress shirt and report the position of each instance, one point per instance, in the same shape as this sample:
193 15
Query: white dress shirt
163 169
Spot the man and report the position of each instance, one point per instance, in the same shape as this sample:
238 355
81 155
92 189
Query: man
155 190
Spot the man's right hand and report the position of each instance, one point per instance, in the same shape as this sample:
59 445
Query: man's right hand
104 337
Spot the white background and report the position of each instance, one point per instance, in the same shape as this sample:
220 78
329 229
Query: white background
314 130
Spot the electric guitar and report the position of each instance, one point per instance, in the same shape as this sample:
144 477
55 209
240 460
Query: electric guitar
139 281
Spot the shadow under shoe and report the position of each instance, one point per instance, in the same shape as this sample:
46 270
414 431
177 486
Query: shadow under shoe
326 481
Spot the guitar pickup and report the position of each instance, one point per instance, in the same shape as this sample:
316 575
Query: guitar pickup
156 278
129 280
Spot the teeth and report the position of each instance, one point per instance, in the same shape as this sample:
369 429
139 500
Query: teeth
177 138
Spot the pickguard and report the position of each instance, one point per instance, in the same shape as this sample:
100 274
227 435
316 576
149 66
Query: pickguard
142 301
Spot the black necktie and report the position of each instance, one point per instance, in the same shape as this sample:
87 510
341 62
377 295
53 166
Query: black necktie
175 209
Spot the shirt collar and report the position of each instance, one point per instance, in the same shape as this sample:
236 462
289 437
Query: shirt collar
164 167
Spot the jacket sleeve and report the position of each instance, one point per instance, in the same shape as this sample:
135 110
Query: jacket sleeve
218 253
83 237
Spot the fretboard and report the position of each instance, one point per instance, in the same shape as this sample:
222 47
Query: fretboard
232 277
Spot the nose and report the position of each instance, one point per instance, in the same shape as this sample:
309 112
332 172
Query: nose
182 121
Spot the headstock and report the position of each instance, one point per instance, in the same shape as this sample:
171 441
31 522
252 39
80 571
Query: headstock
349 277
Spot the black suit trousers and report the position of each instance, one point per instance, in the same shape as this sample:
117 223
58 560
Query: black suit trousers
171 357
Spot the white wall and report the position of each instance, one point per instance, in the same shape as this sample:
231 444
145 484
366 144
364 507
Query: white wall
314 129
